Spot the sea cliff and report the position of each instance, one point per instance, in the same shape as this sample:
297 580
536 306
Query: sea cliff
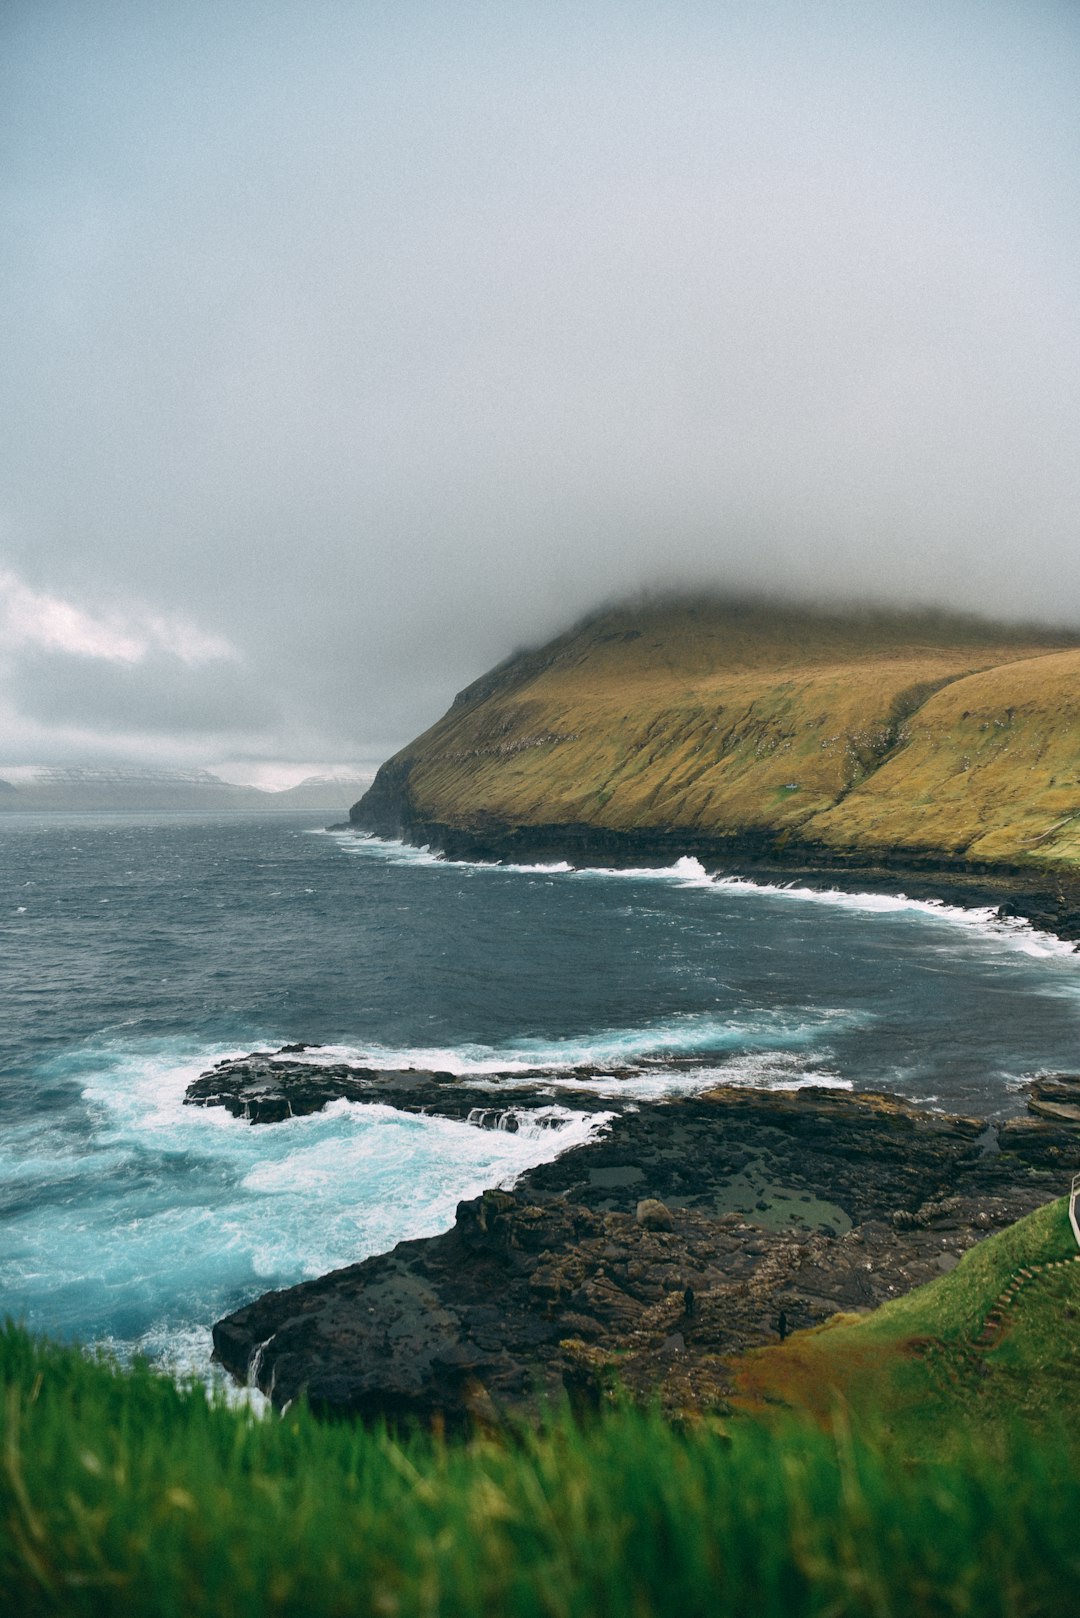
763 737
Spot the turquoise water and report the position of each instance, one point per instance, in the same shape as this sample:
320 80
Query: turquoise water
138 950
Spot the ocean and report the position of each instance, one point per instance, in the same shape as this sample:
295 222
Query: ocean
138 950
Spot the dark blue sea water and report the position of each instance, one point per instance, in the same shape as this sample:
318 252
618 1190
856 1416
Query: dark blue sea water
136 951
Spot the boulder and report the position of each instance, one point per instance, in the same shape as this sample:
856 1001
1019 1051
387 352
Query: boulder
652 1214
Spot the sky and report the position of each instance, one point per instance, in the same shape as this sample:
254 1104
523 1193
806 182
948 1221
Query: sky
350 346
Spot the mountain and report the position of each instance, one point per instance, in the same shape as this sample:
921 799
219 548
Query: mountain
68 788
316 792
752 730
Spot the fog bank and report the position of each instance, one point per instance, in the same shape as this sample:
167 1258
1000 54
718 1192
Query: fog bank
350 347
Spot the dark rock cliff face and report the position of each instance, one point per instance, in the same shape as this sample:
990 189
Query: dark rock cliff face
804 1202
385 808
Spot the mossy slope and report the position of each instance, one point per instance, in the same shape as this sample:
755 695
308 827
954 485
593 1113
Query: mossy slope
993 1343
860 732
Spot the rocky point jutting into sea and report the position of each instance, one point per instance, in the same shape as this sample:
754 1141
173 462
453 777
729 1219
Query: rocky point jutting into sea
687 1232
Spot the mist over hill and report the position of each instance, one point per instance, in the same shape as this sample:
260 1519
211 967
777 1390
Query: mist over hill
756 724
347 346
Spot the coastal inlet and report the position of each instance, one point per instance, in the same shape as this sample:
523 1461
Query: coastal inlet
140 951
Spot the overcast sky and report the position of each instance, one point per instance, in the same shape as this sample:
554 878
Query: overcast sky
348 346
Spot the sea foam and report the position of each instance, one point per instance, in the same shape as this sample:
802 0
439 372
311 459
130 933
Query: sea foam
161 1216
1013 931
670 1038
688 872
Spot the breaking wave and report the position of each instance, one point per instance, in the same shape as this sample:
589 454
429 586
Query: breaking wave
170 1214
689 872
668 1039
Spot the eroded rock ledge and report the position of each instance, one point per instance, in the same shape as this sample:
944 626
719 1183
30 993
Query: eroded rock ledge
796 1202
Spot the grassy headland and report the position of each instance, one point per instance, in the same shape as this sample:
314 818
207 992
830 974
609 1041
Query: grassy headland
868 735
121 1493
994 1342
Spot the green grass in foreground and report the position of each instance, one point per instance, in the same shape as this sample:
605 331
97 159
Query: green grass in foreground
120 1493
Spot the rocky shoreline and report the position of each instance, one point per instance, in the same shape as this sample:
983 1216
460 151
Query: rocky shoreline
1047 897
692 1229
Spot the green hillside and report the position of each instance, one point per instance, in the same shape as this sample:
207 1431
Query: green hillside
867 734
994 1343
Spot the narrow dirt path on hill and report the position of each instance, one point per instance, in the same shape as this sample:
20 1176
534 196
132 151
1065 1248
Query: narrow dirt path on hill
949 1361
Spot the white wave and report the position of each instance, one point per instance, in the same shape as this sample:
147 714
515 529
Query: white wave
558 868
350 1154
534 1123
555 1066
1021 1081
183 1352
764 1070
679 1036
158 1217
391 850
1014 931
141 1092
688 872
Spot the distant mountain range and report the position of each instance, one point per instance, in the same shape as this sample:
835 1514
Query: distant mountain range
132 789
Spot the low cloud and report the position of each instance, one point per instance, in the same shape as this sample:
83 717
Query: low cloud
92 681
159 692
35 620
348 348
